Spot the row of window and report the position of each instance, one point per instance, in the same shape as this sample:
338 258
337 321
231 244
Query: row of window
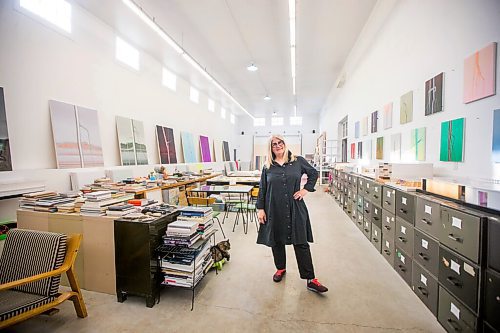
277 121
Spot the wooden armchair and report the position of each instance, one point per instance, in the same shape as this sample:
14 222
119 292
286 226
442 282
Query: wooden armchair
31 265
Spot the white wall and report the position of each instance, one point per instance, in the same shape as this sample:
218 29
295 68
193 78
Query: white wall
404 44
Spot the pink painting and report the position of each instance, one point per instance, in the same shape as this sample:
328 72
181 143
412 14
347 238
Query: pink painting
479 74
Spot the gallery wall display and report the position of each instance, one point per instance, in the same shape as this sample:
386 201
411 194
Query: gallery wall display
496 136
434 95
166 145
131 139
380 148
374 122
225 151
480 74
75 131
356 130
388 116
417 143
188 149
452 140
406 108
206 156
396 147
5 160
364 125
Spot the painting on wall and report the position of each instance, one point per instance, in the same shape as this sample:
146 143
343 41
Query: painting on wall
187 141
225 151
374 122
396 147
480 74
364 126
353 151
166 145
141 153
205 149
367 150
217 150
406 108
452 140
126 140
434 95
75 130
360 149
356 130
380 148
388 116
482 198
496 136
417 144
5 160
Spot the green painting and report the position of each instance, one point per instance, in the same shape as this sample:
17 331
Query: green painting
380 148
452 140
418 143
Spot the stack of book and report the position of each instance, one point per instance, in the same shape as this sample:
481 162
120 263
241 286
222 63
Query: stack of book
181 233
97 203
201 215
120 210
66 208
29 200
141 202
49 204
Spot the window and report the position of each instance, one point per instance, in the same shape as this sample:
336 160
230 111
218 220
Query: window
277 121
295 121
259 122
232 118
211 105
127 54
169 79
57 12
223 113
194 95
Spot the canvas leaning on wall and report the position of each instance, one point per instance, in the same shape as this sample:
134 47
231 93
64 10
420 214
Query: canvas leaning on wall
5 160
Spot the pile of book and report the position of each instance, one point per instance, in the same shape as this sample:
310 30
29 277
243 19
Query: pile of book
46 201
181 233
120 210
29 200
201 215
96 203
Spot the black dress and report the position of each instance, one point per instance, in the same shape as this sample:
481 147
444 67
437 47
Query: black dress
287 218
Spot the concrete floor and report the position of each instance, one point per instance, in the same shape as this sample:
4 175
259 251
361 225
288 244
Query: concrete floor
366 294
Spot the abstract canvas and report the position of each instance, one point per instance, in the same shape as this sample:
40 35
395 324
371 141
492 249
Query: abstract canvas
126 140
388 116
360 149
5 160
482 198
166 145
353 151
141 153
188 147
417 143
356 130
452 140
374 122
217 150
205 149
90 139
396 147
364 125
380 148
434 95
225 151
406 108
496 136
480 74
367 150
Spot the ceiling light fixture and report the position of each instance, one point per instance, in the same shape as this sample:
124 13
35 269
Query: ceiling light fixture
252 67
291 10
156 28
267 98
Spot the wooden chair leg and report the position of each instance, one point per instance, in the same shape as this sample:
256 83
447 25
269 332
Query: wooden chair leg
80 308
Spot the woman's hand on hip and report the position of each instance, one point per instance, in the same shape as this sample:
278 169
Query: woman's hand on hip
261 216
300 194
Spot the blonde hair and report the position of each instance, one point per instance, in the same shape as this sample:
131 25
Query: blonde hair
270 158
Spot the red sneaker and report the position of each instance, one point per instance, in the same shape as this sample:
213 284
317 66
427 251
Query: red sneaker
278 276
315 286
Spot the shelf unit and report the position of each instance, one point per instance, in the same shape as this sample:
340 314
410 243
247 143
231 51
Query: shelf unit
325 157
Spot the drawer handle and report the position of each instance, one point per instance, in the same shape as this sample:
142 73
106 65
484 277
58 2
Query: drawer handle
451 322
387 227
402 239
426 222
423 256
404 211
387 252
367 211
402 268
375 240
367 230
423 291
456 239
454 281
376 218
375 196
387 203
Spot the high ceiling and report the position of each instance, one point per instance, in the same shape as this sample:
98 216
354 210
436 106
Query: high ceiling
225 36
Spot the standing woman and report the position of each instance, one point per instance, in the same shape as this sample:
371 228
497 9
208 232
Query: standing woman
282 211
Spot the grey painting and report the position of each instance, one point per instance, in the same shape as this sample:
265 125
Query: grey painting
5 160
65 134
126 140
434 95
89 137
141 153
225 151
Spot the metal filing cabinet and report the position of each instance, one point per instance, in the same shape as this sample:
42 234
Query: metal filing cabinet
425 287
361 185
388 250
404 236
492 298
367 191
403 265
494 244
376 194
376 237
405 206
360 200
453 315
359 221
367 228
459 276
354 214
388 224
376 215
462 232
389 199
367 209
426 252
355 183
428 216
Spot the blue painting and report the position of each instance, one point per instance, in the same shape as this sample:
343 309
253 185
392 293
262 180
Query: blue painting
188 148
496 136
356 130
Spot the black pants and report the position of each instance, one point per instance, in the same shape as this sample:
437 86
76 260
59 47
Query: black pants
303 256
